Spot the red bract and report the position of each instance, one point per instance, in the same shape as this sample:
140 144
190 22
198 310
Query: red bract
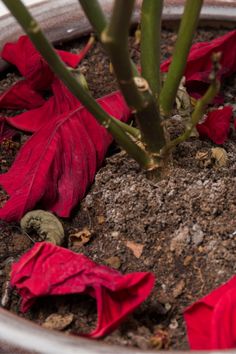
211 320
5 131
59 161
56 165
32 66
216 125
51 270
199 62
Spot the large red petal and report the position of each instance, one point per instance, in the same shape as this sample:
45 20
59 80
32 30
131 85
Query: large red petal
56 165
211 320
42 272
62 101
216 125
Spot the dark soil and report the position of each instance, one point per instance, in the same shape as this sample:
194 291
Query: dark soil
182 229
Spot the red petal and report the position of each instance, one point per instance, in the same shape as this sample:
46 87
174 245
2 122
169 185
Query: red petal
56 165
210 321
32 66
5 131
216 125
62 101
21 96
42 272
199 62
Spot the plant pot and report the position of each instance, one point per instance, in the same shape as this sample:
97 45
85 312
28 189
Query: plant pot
18 335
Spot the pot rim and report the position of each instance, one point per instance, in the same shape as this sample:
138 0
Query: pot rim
18 335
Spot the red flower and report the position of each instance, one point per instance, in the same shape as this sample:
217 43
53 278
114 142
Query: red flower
51 270
211 320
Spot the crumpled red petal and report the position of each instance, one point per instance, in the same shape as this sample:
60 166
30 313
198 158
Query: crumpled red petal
216 125
51 270
199 62
58 163
211 320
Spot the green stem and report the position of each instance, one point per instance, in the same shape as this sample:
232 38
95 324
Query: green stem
135 89
31 27
150 43
94 14
197 114
185 36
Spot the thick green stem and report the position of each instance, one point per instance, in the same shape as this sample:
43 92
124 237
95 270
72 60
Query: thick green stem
41 43
150 43
94 14
185 35
135 89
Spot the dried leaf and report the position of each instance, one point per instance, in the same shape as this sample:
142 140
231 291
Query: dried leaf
113 262
47 226
160 340
80 238
220 157
136 248
58 322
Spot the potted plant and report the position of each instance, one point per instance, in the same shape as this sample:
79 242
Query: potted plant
143 95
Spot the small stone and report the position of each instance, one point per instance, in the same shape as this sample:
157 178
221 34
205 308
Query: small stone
187 260
180 240
179 288
197 235
58 322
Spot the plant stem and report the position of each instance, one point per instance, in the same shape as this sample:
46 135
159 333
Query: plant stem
199 110
135 89
31 27
150 43
185 35
94 14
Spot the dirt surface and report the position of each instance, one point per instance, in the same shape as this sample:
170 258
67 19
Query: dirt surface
182 229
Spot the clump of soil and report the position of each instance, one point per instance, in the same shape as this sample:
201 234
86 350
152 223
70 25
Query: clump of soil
182 229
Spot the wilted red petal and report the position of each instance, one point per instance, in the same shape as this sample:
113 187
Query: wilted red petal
216 125
21 96
211 320
42 272
32 66
56 165
199 62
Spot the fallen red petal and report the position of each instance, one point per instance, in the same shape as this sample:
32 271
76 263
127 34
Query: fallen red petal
6 132
32 66
199 62
211 320
42 272
216 125
21 96
58 163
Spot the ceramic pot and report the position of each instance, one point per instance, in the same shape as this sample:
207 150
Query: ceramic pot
18 335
